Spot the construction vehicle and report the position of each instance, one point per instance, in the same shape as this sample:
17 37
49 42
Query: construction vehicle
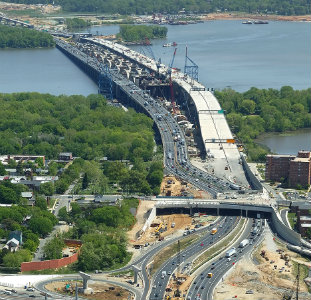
159 227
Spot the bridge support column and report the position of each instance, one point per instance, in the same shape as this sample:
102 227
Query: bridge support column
191 211
217 211
86 278
136 271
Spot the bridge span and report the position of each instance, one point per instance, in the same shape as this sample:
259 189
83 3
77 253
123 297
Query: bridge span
218 143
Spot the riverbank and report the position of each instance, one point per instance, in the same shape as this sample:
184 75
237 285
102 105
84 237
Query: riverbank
243 16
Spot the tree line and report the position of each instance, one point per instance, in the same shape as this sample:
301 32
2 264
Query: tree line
137 33
127 7
256 111
19 37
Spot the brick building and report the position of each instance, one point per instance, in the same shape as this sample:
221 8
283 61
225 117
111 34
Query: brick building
303 213
297 170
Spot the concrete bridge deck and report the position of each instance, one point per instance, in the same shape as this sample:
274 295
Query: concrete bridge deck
216 135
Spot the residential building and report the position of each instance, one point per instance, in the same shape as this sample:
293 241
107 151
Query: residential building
295 169
66 156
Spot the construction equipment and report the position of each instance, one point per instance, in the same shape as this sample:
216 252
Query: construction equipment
289 295
170 69
191 68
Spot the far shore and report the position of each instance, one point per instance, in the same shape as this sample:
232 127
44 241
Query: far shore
244 16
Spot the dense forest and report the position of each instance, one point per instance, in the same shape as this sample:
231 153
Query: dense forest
126 7
265 110
33 123
18 37
135 33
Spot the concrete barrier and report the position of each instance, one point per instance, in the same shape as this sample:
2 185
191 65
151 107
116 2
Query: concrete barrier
283 231
151 217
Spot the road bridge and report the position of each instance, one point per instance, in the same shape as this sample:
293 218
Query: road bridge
15 22
216 139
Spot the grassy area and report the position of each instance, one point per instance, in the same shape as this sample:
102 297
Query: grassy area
215 250
292 219
304 271
33 13
171 250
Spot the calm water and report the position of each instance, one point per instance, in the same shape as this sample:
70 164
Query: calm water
288 143
44 71
227 52
230 54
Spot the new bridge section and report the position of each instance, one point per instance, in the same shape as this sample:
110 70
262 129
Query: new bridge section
14 22
217 141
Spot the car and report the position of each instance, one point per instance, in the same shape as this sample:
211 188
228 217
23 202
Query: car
30 289
32 296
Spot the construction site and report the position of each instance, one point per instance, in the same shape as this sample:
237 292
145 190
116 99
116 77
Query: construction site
100 291
270 272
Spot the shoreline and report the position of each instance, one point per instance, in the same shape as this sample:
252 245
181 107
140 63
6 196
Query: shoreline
245 16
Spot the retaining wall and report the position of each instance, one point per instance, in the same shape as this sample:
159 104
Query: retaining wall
286 233
151 217
49 264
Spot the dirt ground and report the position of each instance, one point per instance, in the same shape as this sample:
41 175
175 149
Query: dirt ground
240 16
172 186
141 216
181 222
263 279
101 291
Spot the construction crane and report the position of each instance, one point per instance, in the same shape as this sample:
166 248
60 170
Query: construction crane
150 53
289 295
171 82
191 68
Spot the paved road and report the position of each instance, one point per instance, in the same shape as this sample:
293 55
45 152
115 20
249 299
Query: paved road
284 213
202 287
160 281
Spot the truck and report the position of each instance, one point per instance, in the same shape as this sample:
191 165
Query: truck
169 155
163 274
244 243
173 225
214 230
210 275
230 252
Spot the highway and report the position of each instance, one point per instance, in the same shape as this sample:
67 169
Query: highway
202 287
160 282
173 139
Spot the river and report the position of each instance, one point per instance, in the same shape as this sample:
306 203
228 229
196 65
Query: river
229 54
287 143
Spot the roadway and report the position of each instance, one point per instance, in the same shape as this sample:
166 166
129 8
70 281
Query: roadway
160 282
202 287
173 139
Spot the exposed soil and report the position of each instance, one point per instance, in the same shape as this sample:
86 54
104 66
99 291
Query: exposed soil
264 280
243 16
101 291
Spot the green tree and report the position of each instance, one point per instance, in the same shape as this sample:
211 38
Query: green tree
53 248
2 170
85 182
47 188
30 245
41 203
40 225
14 260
